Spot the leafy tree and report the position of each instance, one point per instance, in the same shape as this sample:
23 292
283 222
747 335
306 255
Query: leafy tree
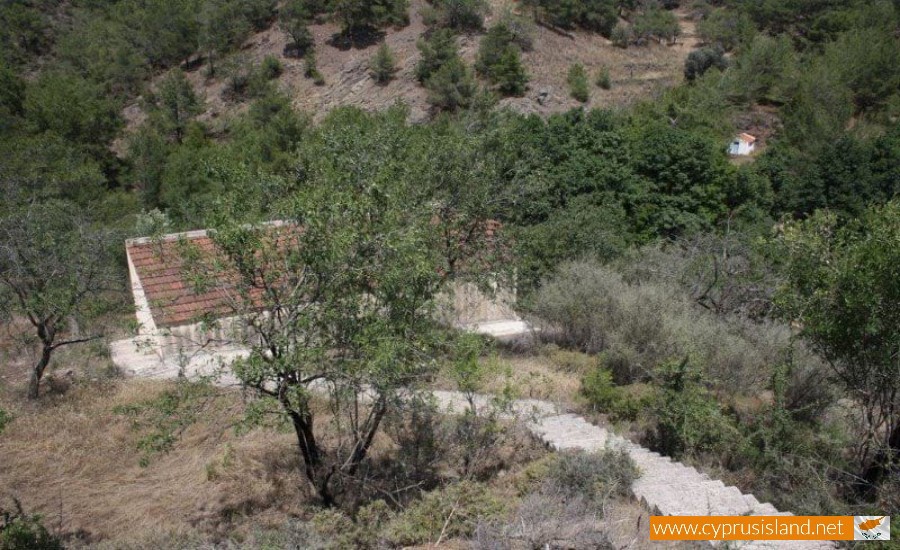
452 87
360 15
578 83
499 60
23 31
148 152
294 17
436 50
165 31
702 60
594 15
101 49
842 291
726 28
222 28
658 24
73 108
55 269
460 15
311 68
383 65
762 72
348 306
175 104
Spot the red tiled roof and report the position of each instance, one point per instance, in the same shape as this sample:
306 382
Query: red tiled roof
748 138
174 301
160 266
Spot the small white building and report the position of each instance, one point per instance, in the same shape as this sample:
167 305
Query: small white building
743 144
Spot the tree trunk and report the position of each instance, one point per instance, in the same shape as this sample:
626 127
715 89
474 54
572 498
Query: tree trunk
884 459
38 372
312 456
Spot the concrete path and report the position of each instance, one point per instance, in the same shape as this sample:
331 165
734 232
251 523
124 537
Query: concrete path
665 487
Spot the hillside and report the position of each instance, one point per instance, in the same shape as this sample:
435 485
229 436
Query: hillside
636 72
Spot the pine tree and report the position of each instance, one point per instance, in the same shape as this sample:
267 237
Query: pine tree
383 65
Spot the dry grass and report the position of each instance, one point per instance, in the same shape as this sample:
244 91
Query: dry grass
533 376
76 461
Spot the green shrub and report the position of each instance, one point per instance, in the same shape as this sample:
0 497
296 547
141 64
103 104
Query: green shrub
5 419
21 531
688 419
460 15
500 61
311 70
571 361
603 79
271 67
598 388
578 83
454 511
702 60
436 50
452 87
622 35
383 65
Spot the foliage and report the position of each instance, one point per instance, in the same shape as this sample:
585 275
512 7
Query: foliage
459 15
499 60
311 68
452 86
22 531
173 105
357 16
596 476
621 35
294 18
604 81
578 83
657 24
436 50
594 15
55 267
843 291
449 513
5 419
598 388
689 420
702 60
726 29
383 66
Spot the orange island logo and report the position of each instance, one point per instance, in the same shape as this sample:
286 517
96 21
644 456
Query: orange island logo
872 528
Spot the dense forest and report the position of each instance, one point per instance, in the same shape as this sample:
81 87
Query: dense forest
739 314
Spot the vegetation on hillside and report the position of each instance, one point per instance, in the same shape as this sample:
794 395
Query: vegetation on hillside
740 315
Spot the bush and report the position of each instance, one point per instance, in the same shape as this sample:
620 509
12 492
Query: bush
5 419
311 69
453 511
383 65
622 35
459 15
499 60
452 87
271 67
688 419
436 50
521 29
598 388
596 476
21 531
700 61
578 83
658 24
604 81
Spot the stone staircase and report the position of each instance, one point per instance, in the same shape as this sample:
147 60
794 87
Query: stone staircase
666 487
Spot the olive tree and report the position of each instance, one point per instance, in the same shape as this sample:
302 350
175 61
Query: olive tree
56 269
843 292
338 307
